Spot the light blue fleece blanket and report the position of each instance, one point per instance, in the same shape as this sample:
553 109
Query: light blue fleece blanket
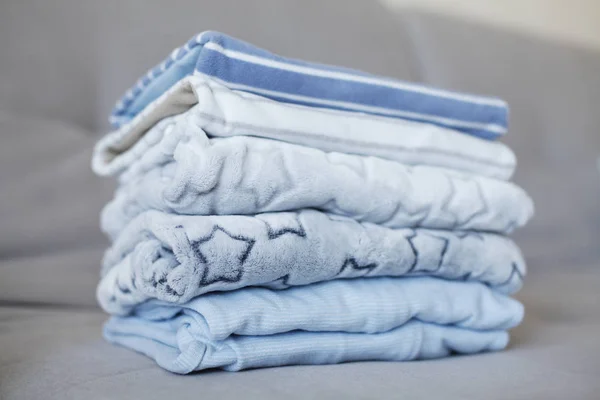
178 257
185 172
243 67
391 319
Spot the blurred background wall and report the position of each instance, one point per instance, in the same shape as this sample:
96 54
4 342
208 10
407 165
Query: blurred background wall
63 63
575 21
69 60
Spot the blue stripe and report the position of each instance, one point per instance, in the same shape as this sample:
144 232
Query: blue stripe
239 72
194 56
230 43
183 67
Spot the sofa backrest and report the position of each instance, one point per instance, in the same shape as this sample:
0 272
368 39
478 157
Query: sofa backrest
68 59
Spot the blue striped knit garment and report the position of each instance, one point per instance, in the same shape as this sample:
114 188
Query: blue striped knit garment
244 67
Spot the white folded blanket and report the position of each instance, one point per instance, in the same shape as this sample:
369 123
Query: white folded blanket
187 173
221 112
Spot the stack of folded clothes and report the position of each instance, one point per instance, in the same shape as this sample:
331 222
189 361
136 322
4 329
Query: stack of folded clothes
272 211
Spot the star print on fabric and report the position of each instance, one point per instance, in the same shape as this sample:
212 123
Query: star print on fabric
332 206
510 226
416 213
482 207
514 272
467 276
478 205
469 234
223 255
350 263
281 224
431 260
122 289
268 168
420 212
448 200
281 283
172 291
163 283
192 183
443 243
414 250
357 167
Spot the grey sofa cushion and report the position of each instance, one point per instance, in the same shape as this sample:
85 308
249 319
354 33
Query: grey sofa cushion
82 56
59 354
50 242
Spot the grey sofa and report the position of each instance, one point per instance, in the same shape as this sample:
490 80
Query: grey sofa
62 64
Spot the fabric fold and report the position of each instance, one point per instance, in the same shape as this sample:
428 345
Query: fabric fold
330 322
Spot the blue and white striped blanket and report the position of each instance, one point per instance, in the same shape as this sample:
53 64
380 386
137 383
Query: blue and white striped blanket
201 105
244 67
